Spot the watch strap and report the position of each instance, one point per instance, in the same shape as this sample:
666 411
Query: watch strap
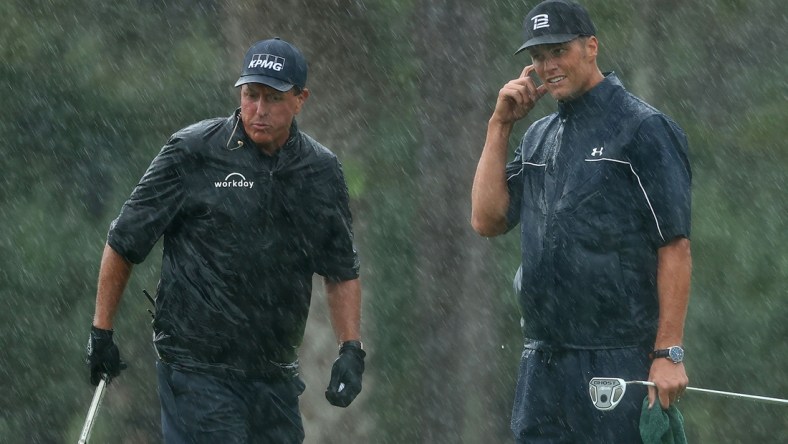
666 353
659 353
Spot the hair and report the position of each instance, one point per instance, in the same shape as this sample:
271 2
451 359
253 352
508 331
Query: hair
297 90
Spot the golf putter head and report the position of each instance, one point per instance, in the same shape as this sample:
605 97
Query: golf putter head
606 393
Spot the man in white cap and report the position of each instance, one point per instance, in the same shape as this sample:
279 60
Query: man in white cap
601 190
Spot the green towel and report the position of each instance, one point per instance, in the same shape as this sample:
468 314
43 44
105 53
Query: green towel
659 426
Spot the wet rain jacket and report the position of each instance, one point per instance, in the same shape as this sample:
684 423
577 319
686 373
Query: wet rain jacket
597 188
243 234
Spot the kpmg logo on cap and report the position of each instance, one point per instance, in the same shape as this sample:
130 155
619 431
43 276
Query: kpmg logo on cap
540 21
267 61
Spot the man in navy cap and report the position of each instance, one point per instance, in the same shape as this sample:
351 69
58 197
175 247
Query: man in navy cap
249 208
601 190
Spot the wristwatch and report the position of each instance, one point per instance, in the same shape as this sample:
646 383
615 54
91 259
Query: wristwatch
674 353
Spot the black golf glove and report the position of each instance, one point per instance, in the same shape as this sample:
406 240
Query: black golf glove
346 373
103 355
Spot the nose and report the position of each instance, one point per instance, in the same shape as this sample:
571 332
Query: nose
262 108
549 64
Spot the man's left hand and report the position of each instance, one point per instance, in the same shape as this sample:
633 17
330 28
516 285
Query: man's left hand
670 379
346 374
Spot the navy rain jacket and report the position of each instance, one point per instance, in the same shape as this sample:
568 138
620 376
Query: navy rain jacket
597 187
243 235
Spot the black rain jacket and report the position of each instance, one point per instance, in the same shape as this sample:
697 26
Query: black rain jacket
243 235
597 188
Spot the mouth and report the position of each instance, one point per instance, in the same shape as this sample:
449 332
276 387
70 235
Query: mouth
554 80
260 126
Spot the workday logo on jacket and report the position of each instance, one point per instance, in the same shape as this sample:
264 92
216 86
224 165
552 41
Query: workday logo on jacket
234 180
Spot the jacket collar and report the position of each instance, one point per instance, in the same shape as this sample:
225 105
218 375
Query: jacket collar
595 99
239 139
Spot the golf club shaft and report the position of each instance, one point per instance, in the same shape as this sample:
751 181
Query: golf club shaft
721 393
94 405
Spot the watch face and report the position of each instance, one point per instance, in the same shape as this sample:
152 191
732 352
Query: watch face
676 354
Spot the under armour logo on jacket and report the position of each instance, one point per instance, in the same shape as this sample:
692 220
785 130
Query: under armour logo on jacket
597 151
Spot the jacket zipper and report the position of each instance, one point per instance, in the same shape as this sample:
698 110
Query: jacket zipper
550 202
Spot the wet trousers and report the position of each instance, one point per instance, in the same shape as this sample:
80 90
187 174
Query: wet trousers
197 408
552 402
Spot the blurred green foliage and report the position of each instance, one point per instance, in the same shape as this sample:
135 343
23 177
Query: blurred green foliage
91 91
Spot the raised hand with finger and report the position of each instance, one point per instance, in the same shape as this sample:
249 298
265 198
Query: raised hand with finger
518 97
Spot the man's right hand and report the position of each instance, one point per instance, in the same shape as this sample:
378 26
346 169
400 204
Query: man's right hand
517 98
103 356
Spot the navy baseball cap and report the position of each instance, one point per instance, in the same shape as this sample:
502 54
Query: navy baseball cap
275 63
556 21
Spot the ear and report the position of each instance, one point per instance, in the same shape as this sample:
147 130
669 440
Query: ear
592 46
301 98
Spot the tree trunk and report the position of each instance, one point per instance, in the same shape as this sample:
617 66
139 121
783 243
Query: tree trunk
456 340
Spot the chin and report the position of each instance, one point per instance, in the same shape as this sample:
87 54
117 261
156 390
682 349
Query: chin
558 96
261 141
261 138
565 97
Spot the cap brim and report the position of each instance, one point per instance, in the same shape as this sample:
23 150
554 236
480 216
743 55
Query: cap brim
547 40
265 80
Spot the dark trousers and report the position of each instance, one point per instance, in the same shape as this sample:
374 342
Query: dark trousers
198 408
552 402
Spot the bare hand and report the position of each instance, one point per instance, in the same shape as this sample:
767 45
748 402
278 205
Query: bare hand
517 98
671 381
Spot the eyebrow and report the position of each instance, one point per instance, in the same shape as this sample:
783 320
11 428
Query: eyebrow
549 47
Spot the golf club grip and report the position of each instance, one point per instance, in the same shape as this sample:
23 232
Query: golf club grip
94 405
721 393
